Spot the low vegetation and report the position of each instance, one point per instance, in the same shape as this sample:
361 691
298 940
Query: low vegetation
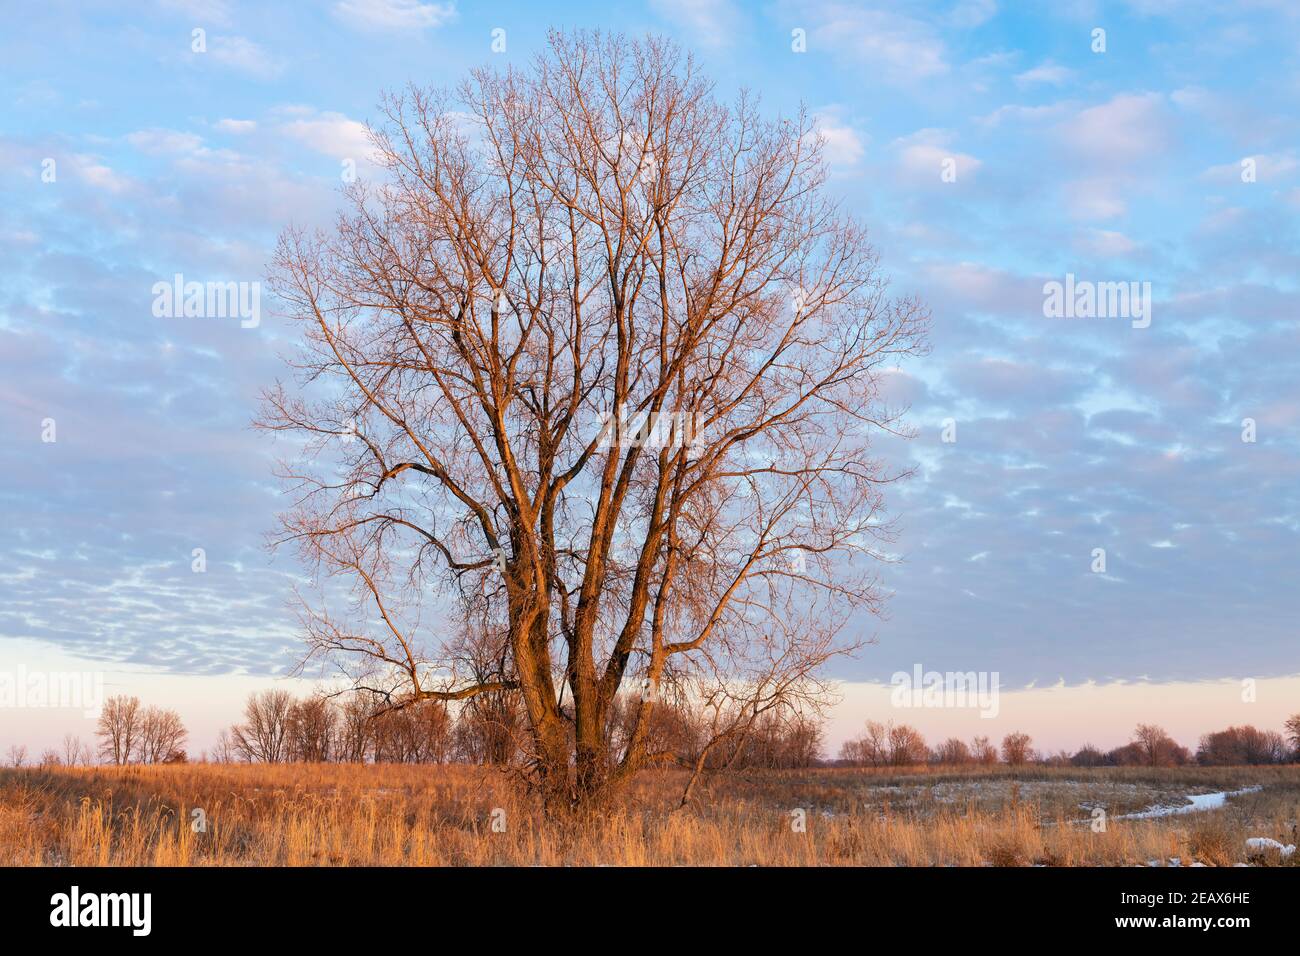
455 814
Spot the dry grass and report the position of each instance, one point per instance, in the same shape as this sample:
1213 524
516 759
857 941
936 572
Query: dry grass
346 815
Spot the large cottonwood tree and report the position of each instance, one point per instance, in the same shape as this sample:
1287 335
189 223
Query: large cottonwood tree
594 361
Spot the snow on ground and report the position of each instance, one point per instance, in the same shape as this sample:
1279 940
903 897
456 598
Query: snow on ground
1199 801
1262 844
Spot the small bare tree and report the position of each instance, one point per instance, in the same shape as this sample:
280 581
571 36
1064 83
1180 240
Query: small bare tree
311 730
952 752
263 735
1157 748
491 725
601 366
17 755
161 736
1088 756
1244 745
225 750
871 749
1293 734
1017 749
355 731
119 729
888 744
983 752
906 746
75 753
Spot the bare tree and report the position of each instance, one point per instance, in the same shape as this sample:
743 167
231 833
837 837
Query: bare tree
1088 756
225 750
1017 749
780 739
1062 758
17 755
952 752
871 749
731 717
1157 748
119 729
311 730
906 746
75 753
262 736
1242 745
161 736
355 730
675 727
418 734
797 741
491 725
608 364
983 752
1293 734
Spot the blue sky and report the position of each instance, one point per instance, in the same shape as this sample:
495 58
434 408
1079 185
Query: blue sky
1072 434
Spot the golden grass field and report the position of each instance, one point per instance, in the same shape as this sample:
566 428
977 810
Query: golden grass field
413 814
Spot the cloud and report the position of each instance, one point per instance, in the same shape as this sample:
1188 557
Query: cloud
712 23
203 12
924 155
1016 113
1269 167
1128 129
1047 72
394 15
332 134
1016 384
842 146
242 54
1246 119
1094 199
236 126
1070 434
1107 242
184 149
164 141
967 14
91 170
898 48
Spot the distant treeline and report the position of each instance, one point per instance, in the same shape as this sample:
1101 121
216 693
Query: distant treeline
362 727
888 744
491 729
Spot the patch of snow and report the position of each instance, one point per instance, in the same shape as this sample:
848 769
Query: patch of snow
1264 843
1199 801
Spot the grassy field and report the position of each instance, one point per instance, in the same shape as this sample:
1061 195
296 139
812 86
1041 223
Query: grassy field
340 814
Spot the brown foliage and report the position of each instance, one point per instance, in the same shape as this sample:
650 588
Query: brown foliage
1242 745
886 745
1017 749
